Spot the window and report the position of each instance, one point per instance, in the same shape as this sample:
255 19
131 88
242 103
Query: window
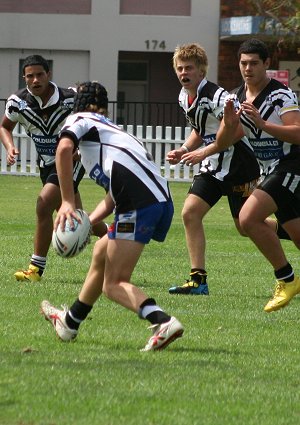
133 71
155 7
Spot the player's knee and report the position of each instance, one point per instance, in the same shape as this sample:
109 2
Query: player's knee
189 214
99 229
245 224
107 290
43 207
99 253
238 227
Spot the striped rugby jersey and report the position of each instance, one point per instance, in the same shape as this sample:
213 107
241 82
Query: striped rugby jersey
237 164
274 100
41 123
116 161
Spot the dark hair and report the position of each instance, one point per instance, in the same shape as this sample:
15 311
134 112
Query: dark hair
89 94
253 45
35 60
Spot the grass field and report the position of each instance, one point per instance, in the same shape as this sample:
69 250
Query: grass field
235 364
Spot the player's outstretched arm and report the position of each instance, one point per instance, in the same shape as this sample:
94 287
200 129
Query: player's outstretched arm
103 210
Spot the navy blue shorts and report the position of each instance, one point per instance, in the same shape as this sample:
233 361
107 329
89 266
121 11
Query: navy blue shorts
144 224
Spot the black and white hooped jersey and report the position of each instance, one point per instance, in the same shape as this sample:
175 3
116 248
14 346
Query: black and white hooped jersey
117 161
41 123
237 164
274 100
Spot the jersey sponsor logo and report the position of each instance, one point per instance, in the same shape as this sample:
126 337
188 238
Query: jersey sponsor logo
266 149
22 105
208 139
66 105
268 100
99 177
45 145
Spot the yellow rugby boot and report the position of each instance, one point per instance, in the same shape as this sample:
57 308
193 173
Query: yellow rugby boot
283 294
30 275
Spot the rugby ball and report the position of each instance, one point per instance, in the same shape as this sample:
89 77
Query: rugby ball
72 241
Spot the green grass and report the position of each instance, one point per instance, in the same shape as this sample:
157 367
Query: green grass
234 365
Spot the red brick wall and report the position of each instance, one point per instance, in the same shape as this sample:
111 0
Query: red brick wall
229 75
231 8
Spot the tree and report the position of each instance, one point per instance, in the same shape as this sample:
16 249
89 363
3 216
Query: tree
282 18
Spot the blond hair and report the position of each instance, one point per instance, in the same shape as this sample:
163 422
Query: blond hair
194 52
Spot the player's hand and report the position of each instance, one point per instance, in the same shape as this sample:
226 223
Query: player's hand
67 212
231 115
11 155
193 158
174 157
253 113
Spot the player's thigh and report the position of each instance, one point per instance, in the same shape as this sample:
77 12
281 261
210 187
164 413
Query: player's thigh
257 208
121 258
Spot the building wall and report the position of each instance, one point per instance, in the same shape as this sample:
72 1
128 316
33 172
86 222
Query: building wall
86 46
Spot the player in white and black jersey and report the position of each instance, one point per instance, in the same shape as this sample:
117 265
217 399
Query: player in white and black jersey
143 210
268 113
118 162
233 172
272 103
41 109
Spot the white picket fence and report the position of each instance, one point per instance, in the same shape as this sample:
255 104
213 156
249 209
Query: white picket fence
158 147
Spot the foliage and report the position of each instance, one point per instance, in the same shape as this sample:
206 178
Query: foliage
283 17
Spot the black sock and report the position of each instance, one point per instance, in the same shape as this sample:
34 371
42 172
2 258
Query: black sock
199 276
156 316
39 262
77 313
286 273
